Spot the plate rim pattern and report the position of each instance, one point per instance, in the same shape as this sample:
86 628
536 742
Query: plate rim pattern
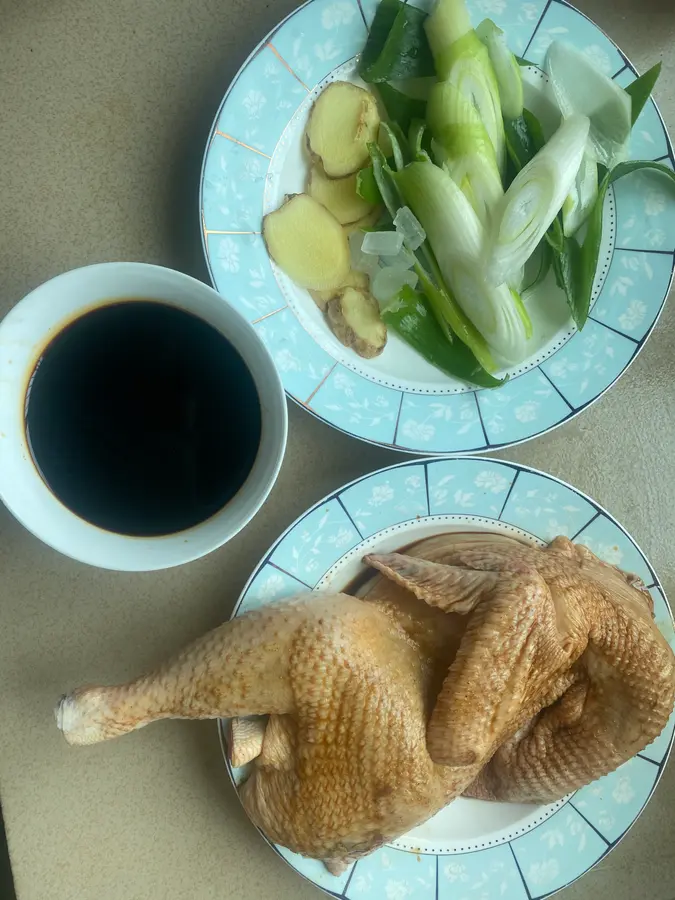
598 512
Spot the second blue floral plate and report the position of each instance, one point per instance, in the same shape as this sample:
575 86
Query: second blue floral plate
471 850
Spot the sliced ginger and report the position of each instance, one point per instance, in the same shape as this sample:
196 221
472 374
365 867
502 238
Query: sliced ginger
338 195
354 279
354 317
343 121
366 222
307 236
308 243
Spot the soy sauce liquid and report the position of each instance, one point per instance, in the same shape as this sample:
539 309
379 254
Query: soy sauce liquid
142 418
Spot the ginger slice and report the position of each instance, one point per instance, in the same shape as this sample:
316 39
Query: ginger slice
338 195
343 121
366 222
354 279
308 243
354 317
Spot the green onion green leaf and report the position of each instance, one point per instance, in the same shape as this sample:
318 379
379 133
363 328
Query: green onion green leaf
411 315
400 108
576 266
366 186
397 46
640 90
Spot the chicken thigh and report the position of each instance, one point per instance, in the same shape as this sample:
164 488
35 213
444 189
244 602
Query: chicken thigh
473 663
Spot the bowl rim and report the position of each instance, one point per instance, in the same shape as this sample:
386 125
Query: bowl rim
107 549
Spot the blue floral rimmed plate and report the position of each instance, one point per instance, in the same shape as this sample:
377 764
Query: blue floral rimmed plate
255 156
471 849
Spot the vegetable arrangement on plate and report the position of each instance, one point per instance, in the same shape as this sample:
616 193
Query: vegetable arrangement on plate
437 203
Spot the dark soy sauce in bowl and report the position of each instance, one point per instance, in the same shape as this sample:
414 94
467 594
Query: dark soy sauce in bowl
142 418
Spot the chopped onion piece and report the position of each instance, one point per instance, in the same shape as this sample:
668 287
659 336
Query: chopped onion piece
362 262
539 100
581 199
579 87
389 281
462 145
534 199
463 63
457 238
408 226
516 280
506 69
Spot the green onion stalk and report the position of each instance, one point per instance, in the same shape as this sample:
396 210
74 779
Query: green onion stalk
463 111
457 238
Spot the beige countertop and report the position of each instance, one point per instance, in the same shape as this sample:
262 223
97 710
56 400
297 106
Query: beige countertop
105 111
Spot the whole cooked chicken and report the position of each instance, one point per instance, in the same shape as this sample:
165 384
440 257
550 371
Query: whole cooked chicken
470 664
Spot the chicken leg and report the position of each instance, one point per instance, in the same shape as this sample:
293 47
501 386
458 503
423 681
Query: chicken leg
343 765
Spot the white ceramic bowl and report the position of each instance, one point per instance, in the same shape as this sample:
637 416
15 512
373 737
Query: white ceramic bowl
24 334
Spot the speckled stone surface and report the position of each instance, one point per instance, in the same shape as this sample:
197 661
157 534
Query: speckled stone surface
105 111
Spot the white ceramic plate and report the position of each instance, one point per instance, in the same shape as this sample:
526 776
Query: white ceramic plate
255 156
471 849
